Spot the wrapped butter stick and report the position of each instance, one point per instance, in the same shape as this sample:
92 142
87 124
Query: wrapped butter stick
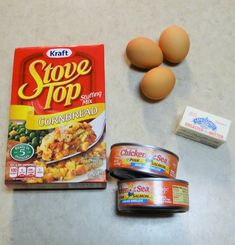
203 127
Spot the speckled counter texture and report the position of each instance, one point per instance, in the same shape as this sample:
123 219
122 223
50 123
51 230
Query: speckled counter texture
205 80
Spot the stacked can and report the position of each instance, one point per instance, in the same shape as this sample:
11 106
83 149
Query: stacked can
147 179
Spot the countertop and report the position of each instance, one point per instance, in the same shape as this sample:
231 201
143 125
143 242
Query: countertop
205 80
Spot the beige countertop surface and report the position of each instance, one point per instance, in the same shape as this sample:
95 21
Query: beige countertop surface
205 80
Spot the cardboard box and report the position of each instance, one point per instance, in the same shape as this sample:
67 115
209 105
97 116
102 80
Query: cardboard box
203 127
57 111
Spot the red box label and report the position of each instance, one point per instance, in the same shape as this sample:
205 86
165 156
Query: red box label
57 116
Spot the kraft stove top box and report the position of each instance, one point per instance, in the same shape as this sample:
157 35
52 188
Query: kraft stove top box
57 119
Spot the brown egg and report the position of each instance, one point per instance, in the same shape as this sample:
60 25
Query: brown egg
157 83
144 53
174 43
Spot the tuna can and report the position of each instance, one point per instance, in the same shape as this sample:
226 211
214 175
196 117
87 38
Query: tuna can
157 195
128 161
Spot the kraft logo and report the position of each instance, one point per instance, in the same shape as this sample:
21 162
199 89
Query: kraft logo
59 53
205 123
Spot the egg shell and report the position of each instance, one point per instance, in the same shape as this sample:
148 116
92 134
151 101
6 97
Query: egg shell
174 43
158 83
144 53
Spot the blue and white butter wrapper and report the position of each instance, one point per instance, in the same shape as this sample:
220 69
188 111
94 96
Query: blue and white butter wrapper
203 127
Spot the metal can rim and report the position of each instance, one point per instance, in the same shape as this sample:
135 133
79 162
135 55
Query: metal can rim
145 174
145 145
154 209
153 179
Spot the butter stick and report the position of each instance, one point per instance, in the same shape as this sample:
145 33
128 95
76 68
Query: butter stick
203 127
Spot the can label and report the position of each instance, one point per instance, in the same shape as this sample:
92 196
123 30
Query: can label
146 159
153 194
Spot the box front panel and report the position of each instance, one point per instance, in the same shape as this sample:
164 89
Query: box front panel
57 116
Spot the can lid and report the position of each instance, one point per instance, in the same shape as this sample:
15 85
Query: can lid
147 146
153 179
